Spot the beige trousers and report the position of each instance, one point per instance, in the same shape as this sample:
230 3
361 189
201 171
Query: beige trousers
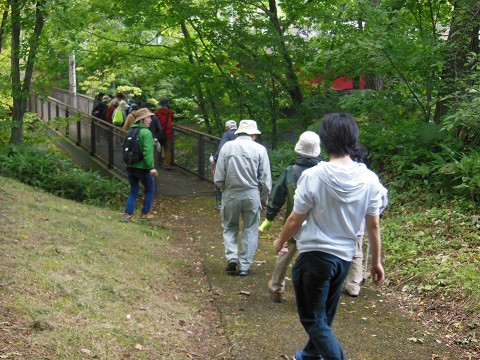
281 266
355 274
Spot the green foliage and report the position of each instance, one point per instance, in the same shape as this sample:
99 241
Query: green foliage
54 172
385 106
430 252
281 157
422 157
464 119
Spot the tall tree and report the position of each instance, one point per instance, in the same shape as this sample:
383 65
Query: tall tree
462 40
21 89
3 24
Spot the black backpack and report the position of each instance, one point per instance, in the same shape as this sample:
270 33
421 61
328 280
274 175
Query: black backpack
132 153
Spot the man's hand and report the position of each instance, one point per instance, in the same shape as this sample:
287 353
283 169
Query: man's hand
154 172
264 203
278 247
378 274
291 227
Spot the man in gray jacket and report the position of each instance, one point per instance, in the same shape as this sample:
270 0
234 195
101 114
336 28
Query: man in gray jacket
243 175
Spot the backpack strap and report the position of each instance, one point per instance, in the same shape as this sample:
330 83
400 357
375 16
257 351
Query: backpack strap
297 170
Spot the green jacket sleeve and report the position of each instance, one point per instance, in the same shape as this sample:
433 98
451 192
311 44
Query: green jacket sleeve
277 197
146 143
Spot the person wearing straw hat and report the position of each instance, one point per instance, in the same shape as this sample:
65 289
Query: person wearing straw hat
308 150
142 171
243 175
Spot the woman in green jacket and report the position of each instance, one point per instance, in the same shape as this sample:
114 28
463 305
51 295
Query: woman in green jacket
143 170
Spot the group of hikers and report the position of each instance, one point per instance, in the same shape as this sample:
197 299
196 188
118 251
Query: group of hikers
329 205
117 111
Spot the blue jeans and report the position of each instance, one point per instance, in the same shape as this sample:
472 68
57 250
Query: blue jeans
134 177
317 278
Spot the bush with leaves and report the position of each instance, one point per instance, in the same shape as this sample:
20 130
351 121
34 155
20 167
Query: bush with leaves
53 171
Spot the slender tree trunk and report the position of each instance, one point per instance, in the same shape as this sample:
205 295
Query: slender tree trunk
293 85
274 114
198 86
17 113
216 115
462 39
20 92
219 67
3 24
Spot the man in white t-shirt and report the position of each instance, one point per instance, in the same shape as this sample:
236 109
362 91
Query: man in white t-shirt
331 202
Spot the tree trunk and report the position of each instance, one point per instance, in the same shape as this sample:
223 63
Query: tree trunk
274 114
17 116
20 92
198 86
292 84
2 25
462 39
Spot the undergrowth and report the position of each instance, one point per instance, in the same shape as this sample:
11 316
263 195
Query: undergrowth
39 163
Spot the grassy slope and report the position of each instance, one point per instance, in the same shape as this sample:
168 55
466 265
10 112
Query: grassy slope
76 282
432 257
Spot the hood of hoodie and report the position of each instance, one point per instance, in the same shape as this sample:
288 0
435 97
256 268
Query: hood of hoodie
307 161
344 183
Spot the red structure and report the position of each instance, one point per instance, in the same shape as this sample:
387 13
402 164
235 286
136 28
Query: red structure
341 83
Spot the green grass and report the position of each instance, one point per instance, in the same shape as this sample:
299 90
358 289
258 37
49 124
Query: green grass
76 280
434 253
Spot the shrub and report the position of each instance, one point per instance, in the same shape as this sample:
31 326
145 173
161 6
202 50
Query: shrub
280 158
54 172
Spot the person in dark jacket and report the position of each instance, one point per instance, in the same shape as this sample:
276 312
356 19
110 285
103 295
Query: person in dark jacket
97 100
142 171
308 149
100 110
155 127
228 135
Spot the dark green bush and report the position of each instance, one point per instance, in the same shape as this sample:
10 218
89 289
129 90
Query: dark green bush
280 158
54 172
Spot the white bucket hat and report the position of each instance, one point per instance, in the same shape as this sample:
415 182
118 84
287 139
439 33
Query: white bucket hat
248 127
123 105
232 124
308 144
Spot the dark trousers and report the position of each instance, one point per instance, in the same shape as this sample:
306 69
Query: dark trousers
317 278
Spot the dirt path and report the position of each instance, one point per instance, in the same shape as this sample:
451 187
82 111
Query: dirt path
368 327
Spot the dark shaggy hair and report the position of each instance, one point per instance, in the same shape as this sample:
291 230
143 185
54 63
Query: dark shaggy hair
338 133
360 154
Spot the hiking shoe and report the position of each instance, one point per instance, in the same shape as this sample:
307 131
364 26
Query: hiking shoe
129 218
243 272
146 217
277 296
300 355
167 167
231 266
353 294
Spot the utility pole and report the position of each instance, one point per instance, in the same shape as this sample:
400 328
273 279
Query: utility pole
72 80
